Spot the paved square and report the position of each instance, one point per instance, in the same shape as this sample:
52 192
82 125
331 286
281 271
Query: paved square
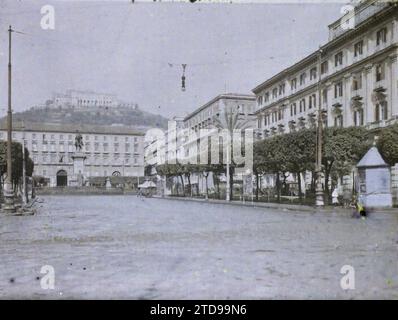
127 247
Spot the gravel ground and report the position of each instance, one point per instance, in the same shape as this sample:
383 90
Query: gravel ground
130 248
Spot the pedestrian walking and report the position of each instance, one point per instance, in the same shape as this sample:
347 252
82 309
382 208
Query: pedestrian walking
335 197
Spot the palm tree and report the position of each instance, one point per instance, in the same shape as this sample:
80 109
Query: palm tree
232 120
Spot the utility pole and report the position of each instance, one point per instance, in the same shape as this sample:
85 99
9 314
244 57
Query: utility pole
25 199
319 196
9 206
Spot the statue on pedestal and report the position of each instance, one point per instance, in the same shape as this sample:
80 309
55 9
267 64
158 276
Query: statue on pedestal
79 142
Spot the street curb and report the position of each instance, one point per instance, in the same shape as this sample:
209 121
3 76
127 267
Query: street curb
278 206
247 204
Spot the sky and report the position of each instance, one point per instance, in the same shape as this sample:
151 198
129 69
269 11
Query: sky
136 51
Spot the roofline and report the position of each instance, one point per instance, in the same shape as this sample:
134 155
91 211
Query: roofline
83 129
228 96
315 54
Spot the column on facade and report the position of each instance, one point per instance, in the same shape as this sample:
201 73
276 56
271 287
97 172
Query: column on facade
347 114
393 85
368 85
329 108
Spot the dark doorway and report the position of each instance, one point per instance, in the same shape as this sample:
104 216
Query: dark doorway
62 178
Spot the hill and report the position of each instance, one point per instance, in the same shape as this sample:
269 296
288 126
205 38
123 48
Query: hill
127 116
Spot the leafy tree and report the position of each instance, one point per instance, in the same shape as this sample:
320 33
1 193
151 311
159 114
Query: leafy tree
342 149
388 144
17 163
300 153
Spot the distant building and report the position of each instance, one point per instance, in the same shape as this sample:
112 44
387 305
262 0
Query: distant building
81 99
107 151
181 143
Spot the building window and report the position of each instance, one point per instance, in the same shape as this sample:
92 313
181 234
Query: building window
293 84
338 121
302 105
338 59
302 79
338 89
313 73
325 95
381 112
379 72
381 36
274 93
281 89
324 67
358 117
293 109
259 100
357 82
266 97
312 101
358 48
280 115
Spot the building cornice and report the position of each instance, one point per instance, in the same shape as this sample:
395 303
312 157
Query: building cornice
224 96
326 81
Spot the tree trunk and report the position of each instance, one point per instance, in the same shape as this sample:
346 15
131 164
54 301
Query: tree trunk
299 185
328 169
278 187
257 185
189 184
207 187
231 184
183 185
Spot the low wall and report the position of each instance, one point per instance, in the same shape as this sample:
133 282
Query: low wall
81 191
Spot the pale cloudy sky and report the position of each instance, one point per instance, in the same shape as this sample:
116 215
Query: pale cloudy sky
136 50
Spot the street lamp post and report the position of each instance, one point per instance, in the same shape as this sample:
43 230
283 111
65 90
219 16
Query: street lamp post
9 206
227 173
319 195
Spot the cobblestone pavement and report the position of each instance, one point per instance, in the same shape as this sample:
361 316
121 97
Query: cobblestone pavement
126 247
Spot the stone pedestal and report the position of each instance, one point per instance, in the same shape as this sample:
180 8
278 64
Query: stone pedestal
78 168
9 198
374 181
108 184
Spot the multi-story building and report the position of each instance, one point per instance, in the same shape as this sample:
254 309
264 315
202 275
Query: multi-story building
354 77
111 150
180 143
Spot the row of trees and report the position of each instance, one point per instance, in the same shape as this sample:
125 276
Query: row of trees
294 153
17 164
